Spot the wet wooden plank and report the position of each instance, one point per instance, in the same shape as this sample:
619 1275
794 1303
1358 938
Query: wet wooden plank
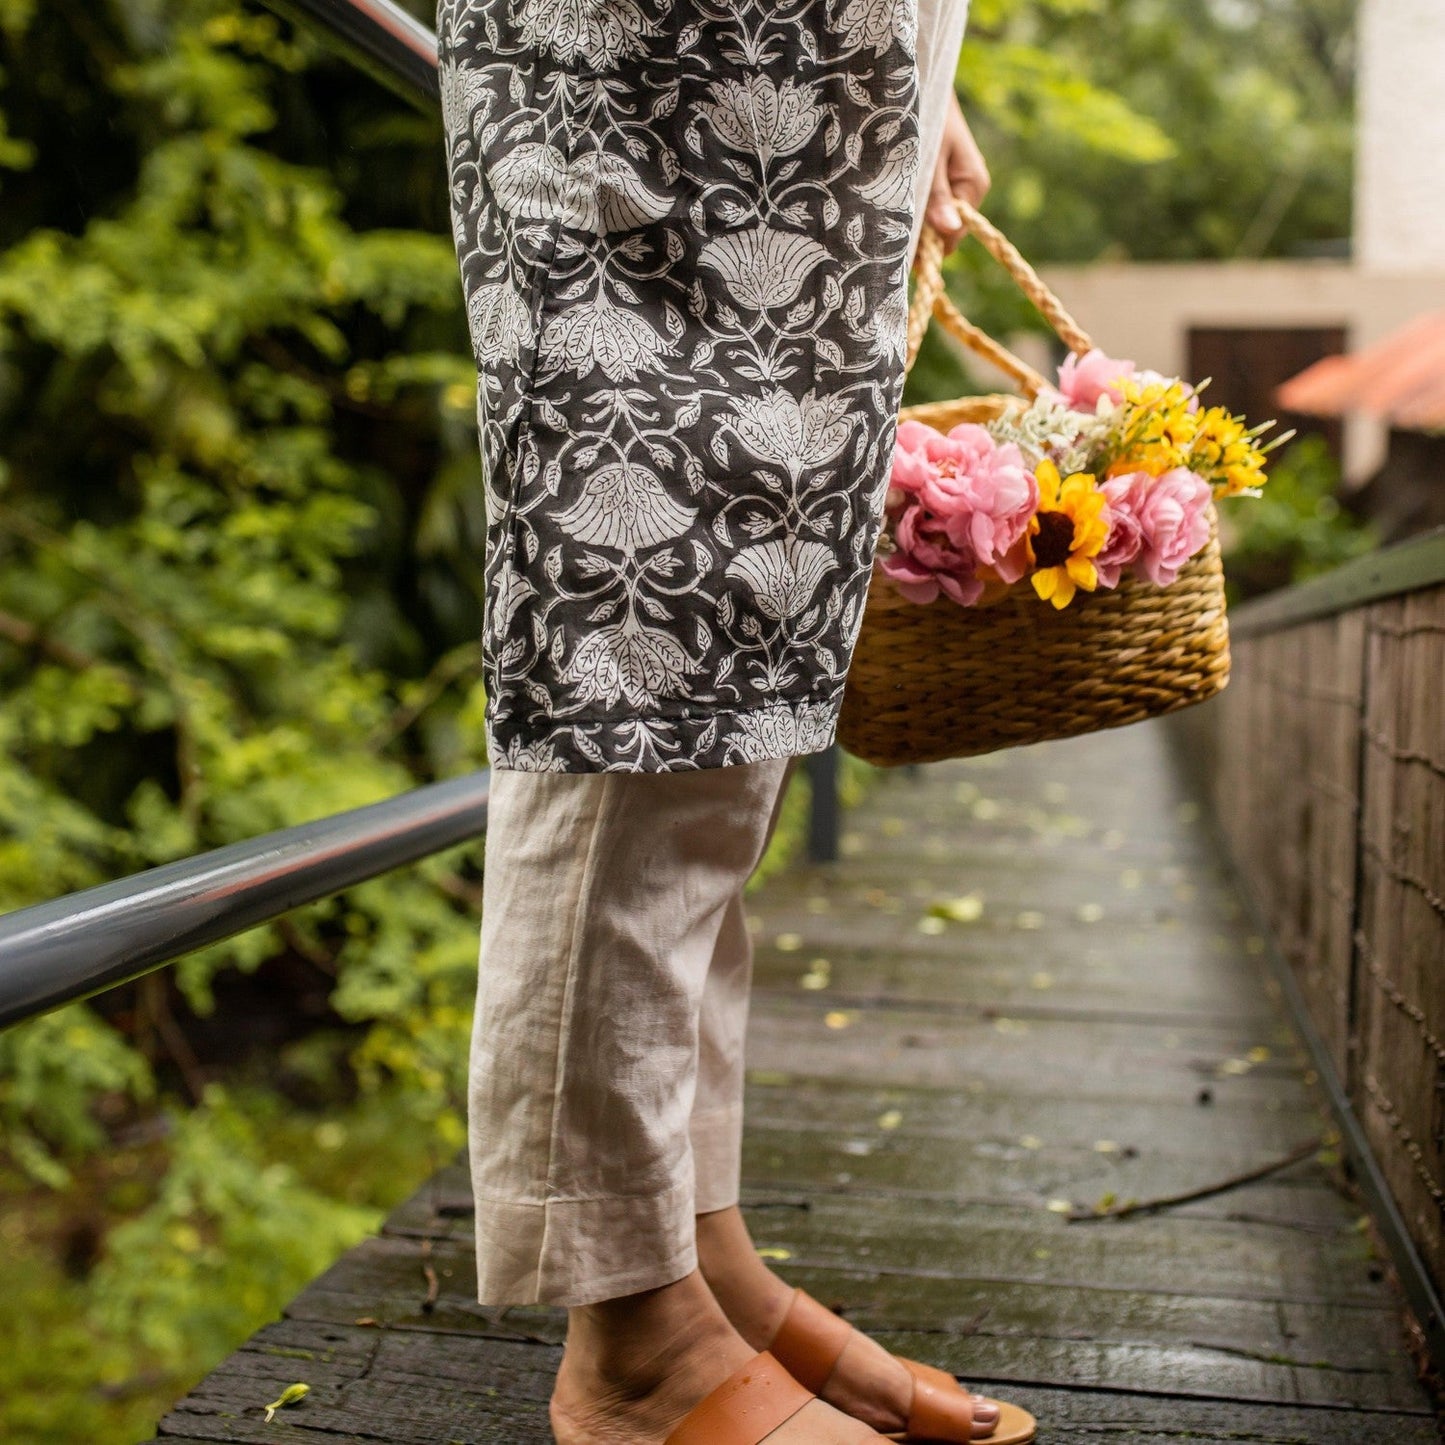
1300 1200
899 1167
954 1117
1088 913
413 1386
1146 1341
911 1117
1162 1253
1138 1341
1204 1349
898 1046
987 981
979 1315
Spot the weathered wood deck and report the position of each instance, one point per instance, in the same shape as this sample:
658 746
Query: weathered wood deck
922 1090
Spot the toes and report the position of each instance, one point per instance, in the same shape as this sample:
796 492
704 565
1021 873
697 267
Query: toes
943 1415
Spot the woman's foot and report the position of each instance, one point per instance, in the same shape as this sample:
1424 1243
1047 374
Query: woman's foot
634 1367
869 1383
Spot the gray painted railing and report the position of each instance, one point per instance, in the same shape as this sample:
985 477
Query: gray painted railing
72 947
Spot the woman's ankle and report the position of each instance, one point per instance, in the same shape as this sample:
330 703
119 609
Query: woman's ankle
635 1366
753 1298
633 1342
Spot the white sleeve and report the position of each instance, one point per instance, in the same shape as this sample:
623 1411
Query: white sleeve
941 24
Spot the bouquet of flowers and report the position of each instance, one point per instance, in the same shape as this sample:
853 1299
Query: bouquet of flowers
1111 471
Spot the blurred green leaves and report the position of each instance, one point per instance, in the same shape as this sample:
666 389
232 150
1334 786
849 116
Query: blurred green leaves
1038 95
1147 130
227 401
222 1246
1295 528
1153 131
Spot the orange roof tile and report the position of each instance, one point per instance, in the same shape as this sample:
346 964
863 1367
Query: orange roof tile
1401 378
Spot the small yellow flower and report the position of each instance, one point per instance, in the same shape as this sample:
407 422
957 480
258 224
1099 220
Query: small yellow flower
1224 452
1065 533
1159 428
1164 427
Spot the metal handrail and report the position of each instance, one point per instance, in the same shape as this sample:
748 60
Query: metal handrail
378 37
84 943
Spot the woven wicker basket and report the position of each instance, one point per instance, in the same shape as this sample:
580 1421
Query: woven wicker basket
941 681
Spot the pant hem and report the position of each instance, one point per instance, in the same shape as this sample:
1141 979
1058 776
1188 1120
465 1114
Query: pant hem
579 1252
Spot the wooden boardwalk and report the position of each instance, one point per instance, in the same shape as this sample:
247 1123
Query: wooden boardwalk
1027 985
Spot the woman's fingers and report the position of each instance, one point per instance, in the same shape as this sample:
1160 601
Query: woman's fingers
960 171
942 214
967 170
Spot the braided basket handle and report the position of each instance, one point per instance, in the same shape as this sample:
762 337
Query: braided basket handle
930 299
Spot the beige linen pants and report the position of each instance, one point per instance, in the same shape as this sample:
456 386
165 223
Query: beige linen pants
606 1077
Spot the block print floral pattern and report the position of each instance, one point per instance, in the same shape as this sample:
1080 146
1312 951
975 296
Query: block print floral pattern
682 227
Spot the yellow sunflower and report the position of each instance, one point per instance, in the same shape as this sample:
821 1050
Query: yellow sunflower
1068 529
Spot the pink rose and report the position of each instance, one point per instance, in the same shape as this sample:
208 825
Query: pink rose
960 501
1015 562
955 456
1126 536
926 562
982 492
1084 379
1173 516
911 462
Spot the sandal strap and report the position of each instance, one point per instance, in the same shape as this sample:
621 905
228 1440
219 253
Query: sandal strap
745 1409
810 1340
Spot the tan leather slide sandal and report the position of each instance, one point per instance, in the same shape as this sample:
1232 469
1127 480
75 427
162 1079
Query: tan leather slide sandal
811 1339
746 1408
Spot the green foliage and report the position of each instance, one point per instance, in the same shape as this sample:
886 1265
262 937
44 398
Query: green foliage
54 1366
1041 95
1140 129
201 548
221 1249
49 1073
1294 529
1145 130
262 1195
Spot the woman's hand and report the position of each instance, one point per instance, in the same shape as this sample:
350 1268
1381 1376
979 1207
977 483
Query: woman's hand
960 171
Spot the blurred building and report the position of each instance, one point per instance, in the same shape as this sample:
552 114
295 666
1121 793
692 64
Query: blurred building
1253 325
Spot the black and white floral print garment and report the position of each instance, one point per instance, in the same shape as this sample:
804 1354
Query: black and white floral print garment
683 230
